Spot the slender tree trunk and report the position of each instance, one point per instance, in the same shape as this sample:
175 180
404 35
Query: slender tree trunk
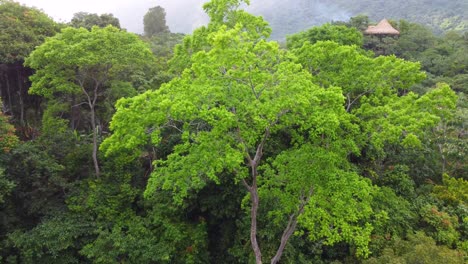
72 110
95 143
92 104
10 105
20 94
253 221
291 227
284 240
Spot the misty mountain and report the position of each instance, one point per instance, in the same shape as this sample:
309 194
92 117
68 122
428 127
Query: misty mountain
288 17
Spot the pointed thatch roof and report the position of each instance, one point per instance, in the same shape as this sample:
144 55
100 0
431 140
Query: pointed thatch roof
382 28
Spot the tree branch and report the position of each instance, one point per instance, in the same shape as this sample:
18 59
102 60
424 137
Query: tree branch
291 226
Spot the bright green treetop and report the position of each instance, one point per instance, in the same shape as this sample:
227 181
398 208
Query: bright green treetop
229 109
245 109
340 34
78 55
87 63
377 92
221 13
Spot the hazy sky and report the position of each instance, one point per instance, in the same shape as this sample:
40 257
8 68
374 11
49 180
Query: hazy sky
285 16
129 12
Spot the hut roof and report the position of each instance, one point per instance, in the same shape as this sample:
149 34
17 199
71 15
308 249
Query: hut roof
382 28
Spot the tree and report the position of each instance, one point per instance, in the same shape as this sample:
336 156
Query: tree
84 64
419 249
229 110
154 21
88 20
340 34
8 140
21 30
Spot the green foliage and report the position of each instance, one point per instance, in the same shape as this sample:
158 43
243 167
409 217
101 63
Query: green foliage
222 13
372 87
340 198
443 226
397 178
55 240
78 55
340 34
8 139
419 248
151 239
5 185
21 30
39 183
126 229
88 20
162 44
301 127
222 106
398 216
154 21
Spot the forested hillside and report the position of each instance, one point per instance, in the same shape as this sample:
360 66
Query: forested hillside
439 15
287 17
222 146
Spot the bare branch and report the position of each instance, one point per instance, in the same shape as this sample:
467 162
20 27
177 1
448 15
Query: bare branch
82 103
355 99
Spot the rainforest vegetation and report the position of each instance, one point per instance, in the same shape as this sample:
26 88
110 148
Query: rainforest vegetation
222 146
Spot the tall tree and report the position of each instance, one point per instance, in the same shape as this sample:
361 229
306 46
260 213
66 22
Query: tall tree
230 108
85 64
230 115
154 21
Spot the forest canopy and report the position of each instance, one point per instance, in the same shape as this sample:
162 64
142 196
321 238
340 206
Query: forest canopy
223 146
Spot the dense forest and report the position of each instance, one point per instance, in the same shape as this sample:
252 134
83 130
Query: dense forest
223 146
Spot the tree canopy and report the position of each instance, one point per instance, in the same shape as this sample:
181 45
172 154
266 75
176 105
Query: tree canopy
21 30
223 146
86 63
242 95
88 20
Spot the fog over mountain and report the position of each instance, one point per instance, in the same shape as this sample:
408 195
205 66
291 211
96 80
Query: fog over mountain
286 17
185 16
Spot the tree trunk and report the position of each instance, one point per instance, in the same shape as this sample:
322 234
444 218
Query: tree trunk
95 143
9 96
284 240
92 104
253 223
20 95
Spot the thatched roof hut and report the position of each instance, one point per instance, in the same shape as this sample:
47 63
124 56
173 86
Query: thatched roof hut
382 28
